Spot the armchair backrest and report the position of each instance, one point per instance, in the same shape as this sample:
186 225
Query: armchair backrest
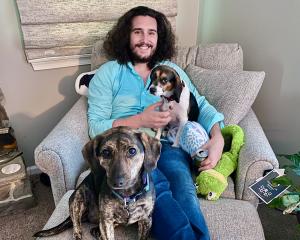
217 56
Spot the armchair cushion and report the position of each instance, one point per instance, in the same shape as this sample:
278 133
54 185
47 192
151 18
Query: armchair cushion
231 92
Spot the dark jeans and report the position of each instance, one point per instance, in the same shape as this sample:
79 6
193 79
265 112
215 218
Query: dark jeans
177 213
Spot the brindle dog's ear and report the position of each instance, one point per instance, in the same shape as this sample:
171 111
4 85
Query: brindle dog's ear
152 148
90 153
179 85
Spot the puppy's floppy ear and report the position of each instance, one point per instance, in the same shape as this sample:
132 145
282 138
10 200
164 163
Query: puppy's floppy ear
152 148
90 153
152 76
179 85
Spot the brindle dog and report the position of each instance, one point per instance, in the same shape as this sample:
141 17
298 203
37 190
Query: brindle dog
124 195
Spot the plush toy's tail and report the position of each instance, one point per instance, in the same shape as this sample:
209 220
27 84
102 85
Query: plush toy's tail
213 182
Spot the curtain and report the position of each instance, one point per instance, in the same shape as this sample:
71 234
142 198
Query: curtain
60 33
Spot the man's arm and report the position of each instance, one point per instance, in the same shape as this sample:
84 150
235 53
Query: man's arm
133 121
215 148
150 118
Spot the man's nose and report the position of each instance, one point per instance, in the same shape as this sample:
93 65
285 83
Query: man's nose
145 37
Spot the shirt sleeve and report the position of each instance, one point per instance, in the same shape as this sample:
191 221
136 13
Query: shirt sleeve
100 97
208 115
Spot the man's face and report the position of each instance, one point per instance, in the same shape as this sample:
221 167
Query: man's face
143 38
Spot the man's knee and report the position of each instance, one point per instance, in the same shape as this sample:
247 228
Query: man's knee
161 184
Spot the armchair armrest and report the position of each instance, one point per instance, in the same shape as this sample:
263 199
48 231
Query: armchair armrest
256 156
59 154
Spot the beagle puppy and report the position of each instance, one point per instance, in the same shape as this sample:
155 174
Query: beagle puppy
176 97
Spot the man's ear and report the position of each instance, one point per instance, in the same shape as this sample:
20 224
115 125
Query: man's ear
90 153
152 148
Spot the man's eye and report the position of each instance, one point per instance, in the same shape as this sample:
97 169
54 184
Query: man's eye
106 153
131 151
152 33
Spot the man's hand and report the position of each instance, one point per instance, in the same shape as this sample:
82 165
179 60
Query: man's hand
150 118
215 148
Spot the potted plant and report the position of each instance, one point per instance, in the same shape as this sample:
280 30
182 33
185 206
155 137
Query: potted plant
289 202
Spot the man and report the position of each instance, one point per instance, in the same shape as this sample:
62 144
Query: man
141 39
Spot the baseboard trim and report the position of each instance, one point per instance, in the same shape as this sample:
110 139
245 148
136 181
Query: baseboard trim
33 170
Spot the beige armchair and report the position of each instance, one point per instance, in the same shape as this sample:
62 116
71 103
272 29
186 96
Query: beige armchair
234 215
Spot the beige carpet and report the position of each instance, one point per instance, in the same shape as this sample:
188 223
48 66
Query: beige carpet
21 226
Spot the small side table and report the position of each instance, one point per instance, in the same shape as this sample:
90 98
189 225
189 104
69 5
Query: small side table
15 187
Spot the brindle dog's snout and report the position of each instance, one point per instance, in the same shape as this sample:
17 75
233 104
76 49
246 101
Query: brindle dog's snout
119 181
118 174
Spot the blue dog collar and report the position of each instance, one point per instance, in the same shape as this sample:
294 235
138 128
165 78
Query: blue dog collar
133 198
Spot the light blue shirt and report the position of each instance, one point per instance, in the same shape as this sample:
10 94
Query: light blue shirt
117 91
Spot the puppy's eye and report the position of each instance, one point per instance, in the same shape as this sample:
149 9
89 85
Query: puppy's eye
131 151
164 81
106 153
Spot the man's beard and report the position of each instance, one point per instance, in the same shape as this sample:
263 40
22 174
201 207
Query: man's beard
136 58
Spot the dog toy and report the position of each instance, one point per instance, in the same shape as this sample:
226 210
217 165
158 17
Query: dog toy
192 138
213 182
82 82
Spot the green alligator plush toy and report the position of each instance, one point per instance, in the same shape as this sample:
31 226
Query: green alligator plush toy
213 182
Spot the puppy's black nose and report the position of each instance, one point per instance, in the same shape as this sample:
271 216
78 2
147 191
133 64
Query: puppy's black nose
152 90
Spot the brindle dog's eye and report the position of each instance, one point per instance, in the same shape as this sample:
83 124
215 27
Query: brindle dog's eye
132 151
106 153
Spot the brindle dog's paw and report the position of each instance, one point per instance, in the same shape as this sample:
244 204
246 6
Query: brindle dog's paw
95 231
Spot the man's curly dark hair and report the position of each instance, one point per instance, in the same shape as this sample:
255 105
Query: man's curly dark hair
117 42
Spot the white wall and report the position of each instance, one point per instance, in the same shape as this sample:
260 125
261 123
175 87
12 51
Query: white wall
269 34
36 100
187 22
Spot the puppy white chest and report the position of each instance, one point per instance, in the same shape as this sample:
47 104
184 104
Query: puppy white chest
179 111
